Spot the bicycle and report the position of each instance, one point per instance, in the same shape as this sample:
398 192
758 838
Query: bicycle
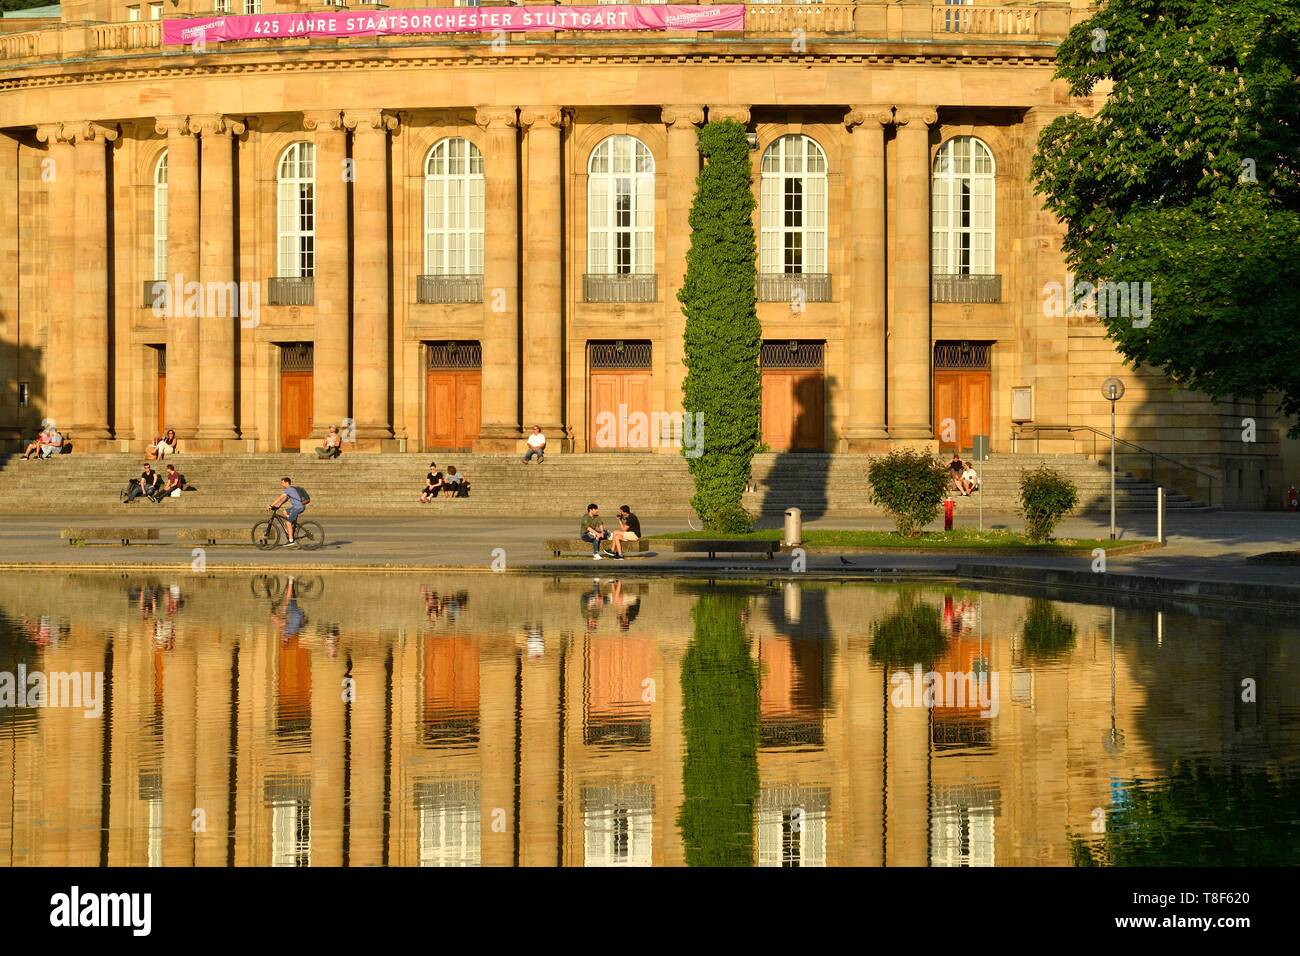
268 533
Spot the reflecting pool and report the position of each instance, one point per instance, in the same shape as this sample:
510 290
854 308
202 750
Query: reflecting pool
458 720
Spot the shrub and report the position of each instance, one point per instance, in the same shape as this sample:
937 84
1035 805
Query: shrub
1047 632
912 634
910 486
1046 496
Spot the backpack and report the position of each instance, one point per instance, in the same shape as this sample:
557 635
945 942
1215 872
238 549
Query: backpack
306 498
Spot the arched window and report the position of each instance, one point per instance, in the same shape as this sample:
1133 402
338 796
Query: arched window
621 208
453 209
297 212
962 208
160 217
792 207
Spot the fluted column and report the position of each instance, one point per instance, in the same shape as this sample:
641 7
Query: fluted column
909 338
182 268
59 177
218 322
500 429
543 272
866 424
90 282
370 264
330 285
683 168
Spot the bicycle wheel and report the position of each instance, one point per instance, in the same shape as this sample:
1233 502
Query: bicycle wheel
310 535
266 535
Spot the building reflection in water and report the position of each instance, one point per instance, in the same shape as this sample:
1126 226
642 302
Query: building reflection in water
386 719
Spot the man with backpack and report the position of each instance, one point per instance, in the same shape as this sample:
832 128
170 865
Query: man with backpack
297 499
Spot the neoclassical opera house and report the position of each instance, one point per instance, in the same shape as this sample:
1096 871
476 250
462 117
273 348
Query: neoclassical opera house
443 237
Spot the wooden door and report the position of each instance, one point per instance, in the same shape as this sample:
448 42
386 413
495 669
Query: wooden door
295 409
619 410
794 409
961 408
453 409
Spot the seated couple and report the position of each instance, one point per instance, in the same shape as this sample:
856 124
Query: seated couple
964 478
593 530
154 486
450 485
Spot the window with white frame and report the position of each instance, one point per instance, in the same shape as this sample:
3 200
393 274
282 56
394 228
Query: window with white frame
252 6
453 209
160 217
132 14
221 6
620 207
155 11
962 194
297 211
792 203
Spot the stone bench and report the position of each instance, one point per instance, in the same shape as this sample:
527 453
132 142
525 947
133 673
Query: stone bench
713 546
558 545
121 535
216 535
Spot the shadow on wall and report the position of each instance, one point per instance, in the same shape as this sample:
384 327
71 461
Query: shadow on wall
801 471
21 371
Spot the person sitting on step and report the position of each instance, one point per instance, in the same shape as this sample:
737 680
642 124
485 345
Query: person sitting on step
332 446
148 485
433 483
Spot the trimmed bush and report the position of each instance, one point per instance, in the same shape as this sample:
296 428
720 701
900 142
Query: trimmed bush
910 486
1047 633
723 336
1046 496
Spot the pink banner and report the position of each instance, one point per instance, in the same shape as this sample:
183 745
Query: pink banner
203 30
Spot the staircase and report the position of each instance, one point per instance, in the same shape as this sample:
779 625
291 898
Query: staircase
501 486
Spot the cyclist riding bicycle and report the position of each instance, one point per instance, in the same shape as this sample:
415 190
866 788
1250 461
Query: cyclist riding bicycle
297 499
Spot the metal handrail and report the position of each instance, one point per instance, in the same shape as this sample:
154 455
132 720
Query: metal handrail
1018 431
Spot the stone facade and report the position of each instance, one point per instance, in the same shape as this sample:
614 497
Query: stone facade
87 109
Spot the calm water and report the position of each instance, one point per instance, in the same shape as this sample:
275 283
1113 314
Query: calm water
506 720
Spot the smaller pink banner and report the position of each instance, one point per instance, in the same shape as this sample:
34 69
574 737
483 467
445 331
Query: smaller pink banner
203 30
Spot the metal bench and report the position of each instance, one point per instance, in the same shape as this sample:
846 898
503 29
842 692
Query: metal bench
559 545
713 547
121 535
216 535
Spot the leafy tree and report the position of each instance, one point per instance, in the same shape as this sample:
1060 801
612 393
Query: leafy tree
910 485
1047 633
723 335
7 6
1046 496
1187 178
912 634
720 725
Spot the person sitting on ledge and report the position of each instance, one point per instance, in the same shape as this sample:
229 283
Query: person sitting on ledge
54 445
536 446
332 447
164 446
34 447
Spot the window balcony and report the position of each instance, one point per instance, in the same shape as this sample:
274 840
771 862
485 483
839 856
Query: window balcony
966 289
620 287
449 289
785 286
291 290
153 290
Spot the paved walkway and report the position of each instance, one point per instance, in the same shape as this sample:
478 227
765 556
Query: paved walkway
1202 546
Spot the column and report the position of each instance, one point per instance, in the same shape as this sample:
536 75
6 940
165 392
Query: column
214 659
543 265
683 168
866 425
370 268
498 667
330 368
909 340
90 282
218 321
500 428
182 268
58 173
539 755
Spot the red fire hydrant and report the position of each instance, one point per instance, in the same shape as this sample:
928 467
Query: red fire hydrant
949 506
1292 500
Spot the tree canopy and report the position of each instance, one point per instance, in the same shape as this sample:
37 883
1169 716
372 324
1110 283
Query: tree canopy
1188 177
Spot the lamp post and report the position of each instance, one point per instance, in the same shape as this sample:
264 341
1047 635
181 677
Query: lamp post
1112 390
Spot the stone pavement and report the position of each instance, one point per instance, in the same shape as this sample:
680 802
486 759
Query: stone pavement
1207 546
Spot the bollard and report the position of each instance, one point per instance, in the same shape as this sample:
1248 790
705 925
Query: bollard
793 534
949 506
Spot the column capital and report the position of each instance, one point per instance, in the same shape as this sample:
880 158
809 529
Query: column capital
863 115
56 133
82 131
218 125
682 117
375 120
322 120
174 126
531 116
495 117
920 115
738 113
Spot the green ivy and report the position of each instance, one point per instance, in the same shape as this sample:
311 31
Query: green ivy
723 335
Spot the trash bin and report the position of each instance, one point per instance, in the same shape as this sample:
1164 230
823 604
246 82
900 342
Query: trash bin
980 447
793 534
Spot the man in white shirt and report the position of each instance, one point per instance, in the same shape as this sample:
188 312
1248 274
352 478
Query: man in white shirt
536 446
